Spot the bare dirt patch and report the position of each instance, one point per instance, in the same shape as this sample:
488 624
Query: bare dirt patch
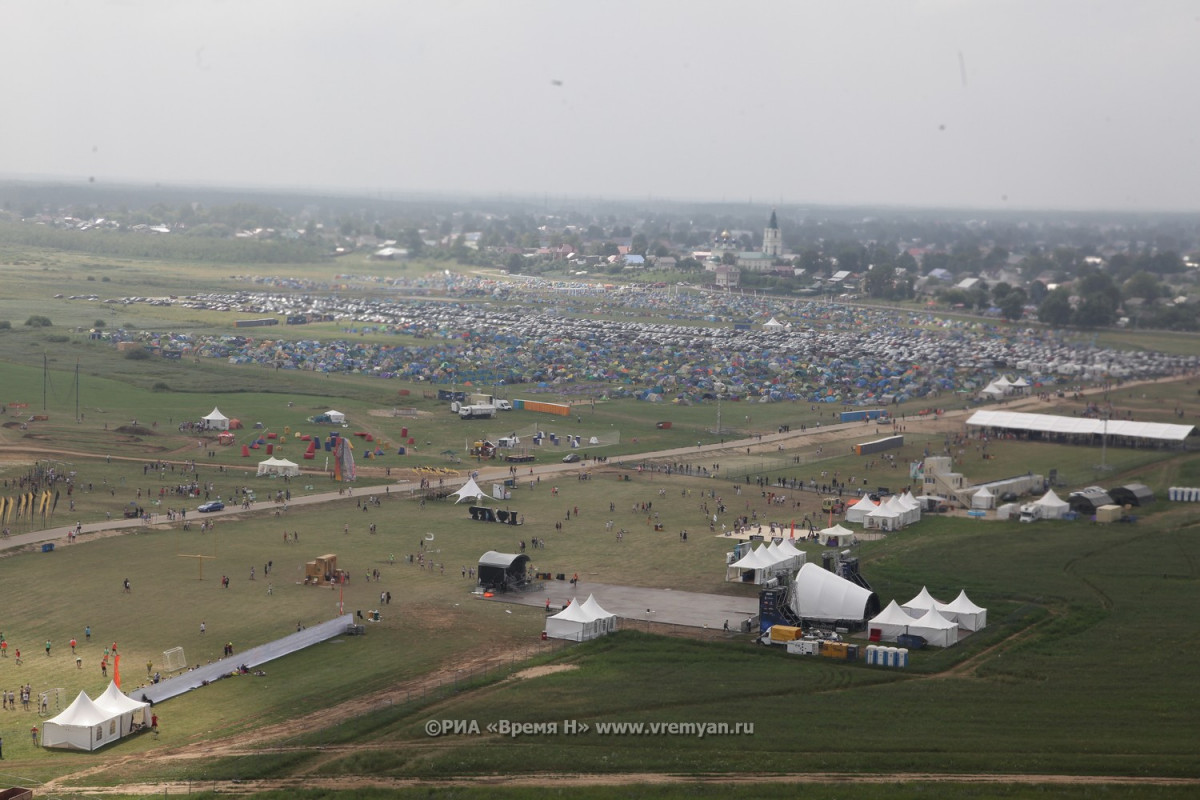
400 413
546 669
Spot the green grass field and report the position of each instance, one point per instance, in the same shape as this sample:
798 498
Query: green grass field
1084 669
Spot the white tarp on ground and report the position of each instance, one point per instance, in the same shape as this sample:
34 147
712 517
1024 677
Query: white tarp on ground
572 623
81 726
278 466
819 594
936 629
1053 507
133 714
891 622
207 673
470 490
921 603
216 420
965 613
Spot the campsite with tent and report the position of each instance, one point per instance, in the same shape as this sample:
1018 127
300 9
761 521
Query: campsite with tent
1014 621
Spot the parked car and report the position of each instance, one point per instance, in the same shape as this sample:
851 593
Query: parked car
1008 497
570 458
211 505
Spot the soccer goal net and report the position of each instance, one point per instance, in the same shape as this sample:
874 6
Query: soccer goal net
174 660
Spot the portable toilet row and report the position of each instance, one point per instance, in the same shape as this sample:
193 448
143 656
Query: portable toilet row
1184 494
885 656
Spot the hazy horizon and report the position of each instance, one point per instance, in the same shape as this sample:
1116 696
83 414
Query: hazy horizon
1055 106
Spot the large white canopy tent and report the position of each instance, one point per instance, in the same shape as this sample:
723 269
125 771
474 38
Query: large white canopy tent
964 613
818 594
216 421
573 623
935 629
858 511
1080 426
470 490
1053 507
757 566
278 466
606 620
837 536
335 416
132 714
891 622
921 603
84 725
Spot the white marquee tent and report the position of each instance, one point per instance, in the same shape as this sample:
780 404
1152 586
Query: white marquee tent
216 421
573 623
983 499
819 594
83 725
1053 507
836 536
133 714
858 511
936 629
921 603
965 613
891 622
469 490
757 566
335 416
278 466
606 620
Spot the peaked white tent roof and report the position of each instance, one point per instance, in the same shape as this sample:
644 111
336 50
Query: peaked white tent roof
819 594
72 729
605 620
1053 506
132 712
891 622
965 613
859 510
470 489
278 466
573 623
843 535
336 416
937 630
216 416
772 323
983 498
921 603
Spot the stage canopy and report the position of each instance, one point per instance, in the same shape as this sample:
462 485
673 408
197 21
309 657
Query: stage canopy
1080 426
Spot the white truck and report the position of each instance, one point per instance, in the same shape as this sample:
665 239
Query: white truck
502 405
1030 512
477 411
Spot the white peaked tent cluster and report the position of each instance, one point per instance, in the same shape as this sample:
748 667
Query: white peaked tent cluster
89 724
1003 387
938 623
761 565
579 622
893 514
216 421
818 594
278 466
469 491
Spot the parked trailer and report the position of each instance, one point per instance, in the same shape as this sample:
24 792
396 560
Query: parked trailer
879 445
858 416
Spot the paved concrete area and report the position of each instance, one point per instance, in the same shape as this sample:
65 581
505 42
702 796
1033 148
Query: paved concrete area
639 604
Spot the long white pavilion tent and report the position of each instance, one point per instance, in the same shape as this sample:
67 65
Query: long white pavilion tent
1088 428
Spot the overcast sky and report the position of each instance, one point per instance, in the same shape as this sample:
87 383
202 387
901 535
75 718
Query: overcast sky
1038 104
